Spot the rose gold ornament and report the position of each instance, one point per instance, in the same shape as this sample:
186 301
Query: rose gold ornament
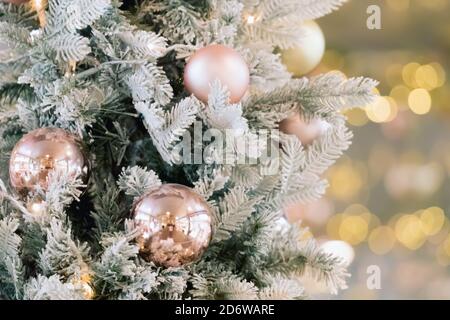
306 132
174 225
217 62
42 152
313 215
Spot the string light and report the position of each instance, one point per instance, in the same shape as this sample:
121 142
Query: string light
251 19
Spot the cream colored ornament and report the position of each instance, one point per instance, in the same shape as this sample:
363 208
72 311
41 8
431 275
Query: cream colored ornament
305 56
306 132
217 62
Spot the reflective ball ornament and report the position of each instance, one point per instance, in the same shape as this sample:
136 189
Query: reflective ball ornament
306 132
307 54
217 62
174 225
43 151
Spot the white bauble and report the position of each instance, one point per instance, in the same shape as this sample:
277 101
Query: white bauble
308 53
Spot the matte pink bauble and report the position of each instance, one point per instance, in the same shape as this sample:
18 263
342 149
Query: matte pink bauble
306 132
216 62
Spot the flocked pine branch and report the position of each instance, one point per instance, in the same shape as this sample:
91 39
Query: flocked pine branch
279 22
62 254
235 208
11 269
136 181
319 95
50 288
278 287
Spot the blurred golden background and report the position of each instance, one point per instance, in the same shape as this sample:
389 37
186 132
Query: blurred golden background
389 197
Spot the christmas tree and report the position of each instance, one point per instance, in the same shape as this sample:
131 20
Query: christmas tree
111 77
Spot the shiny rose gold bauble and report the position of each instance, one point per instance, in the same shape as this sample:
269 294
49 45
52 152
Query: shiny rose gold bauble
174 225
306 132
217 62
43 151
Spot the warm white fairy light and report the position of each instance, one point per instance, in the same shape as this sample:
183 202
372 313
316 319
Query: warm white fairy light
251 19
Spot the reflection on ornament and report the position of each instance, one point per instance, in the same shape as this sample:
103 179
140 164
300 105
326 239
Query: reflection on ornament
42 152
174 225
217 62
307 55
306 132
339 249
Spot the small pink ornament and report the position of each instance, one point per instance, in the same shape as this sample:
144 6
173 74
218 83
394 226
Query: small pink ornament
217 62
306 132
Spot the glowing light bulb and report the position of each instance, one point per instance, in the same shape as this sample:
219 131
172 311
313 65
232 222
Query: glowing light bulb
251 19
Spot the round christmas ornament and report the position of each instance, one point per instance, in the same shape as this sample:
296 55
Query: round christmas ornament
217 62
174 225
306 132
42 152
307 54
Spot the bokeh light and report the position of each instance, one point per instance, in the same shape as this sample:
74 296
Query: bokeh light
382 240
419 101
409 232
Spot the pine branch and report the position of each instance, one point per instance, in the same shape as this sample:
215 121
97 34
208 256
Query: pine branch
145 45
302 9
223 286
115 269
67 16
50 288
11 270
324 152
207 185
10 93
173 283
281 288
62 255
320 95
235 208
279 22
219 113
70 47
136 181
